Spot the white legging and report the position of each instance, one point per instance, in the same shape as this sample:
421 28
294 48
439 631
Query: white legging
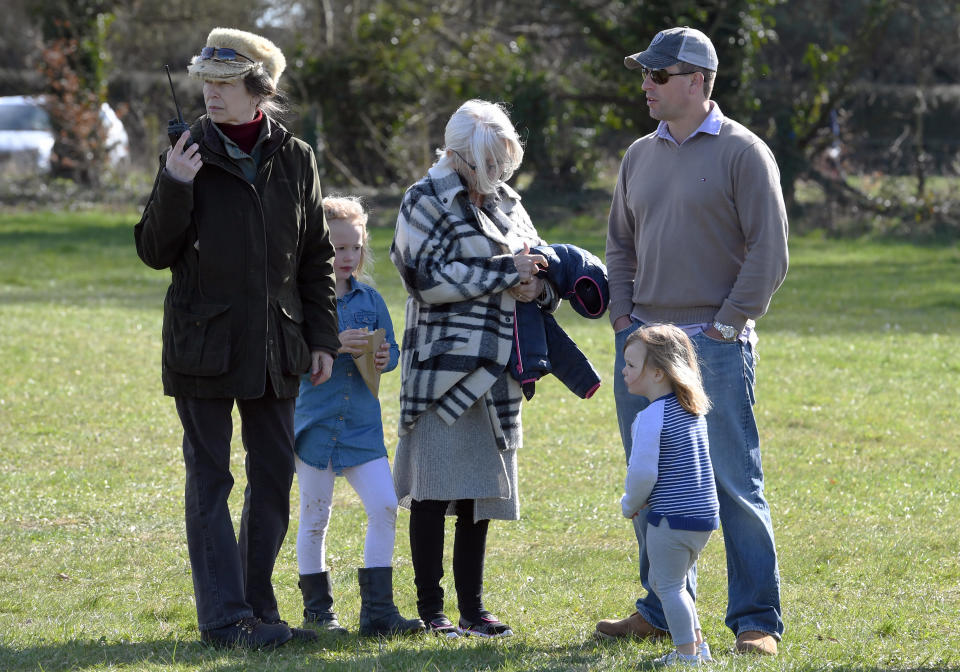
374 484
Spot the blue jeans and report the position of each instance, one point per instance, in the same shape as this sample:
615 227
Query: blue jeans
753 579
231 575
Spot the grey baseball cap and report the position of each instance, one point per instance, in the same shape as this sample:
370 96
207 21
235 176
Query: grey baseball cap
674 45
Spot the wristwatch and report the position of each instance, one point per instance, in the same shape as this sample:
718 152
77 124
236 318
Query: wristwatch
728 332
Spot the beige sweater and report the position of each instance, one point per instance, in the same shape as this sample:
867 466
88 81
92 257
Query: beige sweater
697 232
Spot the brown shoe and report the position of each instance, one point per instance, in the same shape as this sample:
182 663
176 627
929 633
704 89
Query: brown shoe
634 625
755 641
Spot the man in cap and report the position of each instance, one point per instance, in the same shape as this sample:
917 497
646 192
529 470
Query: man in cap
236 216
697 237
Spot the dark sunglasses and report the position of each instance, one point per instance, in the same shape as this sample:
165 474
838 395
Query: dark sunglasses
221 54
661 77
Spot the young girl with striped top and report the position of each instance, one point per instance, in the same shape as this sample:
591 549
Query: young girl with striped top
669 475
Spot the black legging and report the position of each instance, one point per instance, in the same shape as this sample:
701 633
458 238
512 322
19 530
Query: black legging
426 548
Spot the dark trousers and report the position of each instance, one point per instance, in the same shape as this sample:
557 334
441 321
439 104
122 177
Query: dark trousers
231 576
427 519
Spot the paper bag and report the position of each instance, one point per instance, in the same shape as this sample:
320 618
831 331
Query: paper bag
364 361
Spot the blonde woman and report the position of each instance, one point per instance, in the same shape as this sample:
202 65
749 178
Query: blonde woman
462 248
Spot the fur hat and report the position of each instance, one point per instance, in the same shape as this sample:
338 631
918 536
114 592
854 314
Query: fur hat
264 56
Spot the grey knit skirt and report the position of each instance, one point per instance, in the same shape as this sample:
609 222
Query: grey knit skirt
435 460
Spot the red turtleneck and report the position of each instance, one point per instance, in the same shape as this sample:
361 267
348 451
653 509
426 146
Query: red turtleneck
245 135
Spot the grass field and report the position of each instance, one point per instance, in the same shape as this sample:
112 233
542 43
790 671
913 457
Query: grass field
858 394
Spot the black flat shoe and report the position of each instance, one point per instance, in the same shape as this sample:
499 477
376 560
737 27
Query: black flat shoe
486 626
248 633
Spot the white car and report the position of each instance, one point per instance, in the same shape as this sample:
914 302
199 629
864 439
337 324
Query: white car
26 134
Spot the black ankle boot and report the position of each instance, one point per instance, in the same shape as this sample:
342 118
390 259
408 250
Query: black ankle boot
378 614
318 603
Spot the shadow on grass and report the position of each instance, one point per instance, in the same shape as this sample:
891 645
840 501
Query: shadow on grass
59 235
76 263
832 287
134 295
354 653
350 653
833 667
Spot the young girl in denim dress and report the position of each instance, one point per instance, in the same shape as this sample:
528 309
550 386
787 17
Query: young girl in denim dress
339 432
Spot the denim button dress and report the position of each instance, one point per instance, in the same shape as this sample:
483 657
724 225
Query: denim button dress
339 421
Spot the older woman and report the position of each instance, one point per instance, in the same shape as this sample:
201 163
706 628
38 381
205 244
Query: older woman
462 248
236 215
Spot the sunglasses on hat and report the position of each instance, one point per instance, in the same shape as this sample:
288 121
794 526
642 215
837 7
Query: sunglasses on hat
661 77
222 54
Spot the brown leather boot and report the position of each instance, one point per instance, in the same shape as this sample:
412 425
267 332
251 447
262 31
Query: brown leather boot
755 641
634 625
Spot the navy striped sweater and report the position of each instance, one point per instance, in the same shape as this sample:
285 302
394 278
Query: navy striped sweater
670 468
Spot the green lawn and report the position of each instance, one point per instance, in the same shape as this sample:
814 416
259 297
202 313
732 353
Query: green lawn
857 391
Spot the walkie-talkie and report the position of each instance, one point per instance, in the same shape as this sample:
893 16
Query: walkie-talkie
176 127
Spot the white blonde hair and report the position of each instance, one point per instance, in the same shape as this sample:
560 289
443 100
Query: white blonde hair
350 210
483 135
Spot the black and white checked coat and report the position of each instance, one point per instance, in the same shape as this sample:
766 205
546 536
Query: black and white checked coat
455 263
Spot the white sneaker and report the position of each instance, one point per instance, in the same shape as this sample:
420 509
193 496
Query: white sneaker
677 658
704 651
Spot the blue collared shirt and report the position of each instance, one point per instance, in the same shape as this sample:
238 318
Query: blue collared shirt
338 422
710 125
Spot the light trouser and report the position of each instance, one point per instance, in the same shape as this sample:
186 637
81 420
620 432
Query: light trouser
374 484
753 578
672 553
231 575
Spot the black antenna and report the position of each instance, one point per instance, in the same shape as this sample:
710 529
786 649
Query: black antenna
172 91
176 127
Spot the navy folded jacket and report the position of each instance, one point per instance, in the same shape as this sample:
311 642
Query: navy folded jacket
540 345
